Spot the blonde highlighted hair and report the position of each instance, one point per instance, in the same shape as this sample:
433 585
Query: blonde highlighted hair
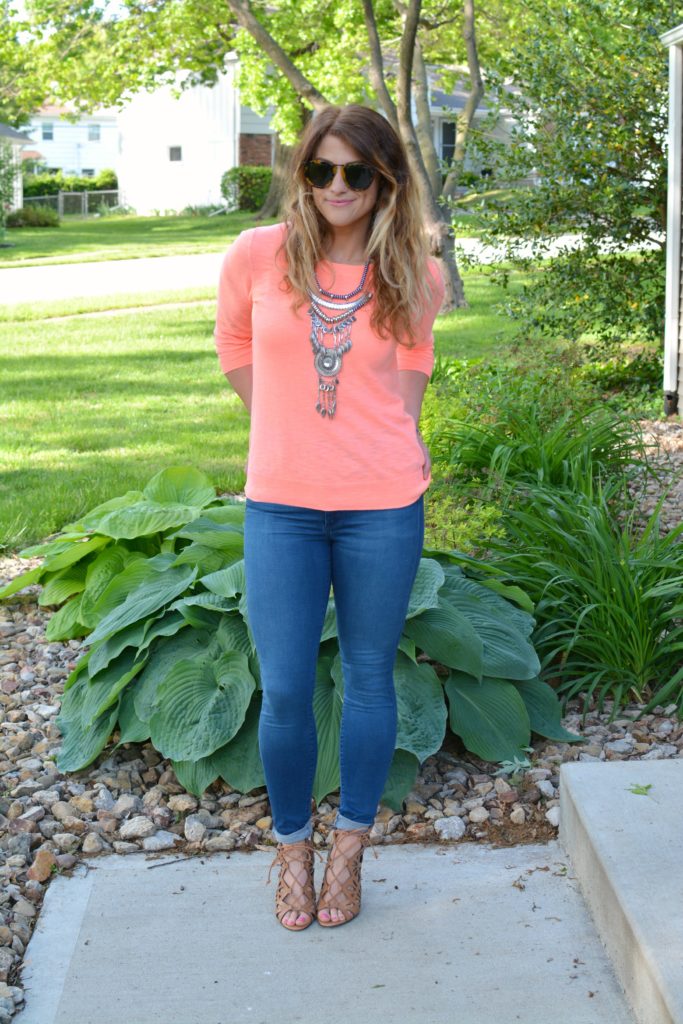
396 243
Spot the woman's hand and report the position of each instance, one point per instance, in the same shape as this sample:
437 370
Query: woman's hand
427 464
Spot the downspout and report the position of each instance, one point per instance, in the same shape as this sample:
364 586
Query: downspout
672 323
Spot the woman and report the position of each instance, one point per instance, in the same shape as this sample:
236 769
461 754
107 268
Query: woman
324 330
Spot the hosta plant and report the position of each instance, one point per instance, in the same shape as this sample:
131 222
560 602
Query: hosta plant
154 581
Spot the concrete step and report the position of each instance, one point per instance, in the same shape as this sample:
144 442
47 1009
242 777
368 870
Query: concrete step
626 851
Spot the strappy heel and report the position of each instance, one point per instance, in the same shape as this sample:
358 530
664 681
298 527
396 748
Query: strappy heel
295 889
336 892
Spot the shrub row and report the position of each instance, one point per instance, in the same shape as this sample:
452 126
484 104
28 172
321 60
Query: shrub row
51 184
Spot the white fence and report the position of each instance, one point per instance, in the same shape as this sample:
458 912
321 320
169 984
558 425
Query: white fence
80 203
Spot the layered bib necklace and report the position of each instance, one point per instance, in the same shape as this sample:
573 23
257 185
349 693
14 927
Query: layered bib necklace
333 318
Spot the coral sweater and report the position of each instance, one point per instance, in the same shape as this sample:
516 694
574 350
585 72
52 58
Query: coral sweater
367 456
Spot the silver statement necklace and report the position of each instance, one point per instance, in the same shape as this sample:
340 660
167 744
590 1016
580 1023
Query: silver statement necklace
333 318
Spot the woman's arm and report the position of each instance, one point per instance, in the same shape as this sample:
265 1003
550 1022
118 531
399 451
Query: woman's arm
241 381
412 384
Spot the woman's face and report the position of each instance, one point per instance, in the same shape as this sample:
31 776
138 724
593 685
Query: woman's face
341 207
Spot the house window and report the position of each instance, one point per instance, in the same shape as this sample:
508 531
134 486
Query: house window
48 131
175 152
93 133
447 140
88 172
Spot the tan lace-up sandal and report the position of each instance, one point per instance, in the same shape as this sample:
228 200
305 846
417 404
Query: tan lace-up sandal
341 886
295 889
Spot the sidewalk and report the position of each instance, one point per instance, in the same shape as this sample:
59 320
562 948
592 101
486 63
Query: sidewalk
446 933
168 273
74 280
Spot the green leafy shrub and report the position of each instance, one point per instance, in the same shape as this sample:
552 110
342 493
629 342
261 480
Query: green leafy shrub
155 578
105 181
49 184
630 383
246 187
608 599
33 217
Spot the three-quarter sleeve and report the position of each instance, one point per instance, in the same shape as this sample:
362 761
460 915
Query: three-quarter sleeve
421 356
233 330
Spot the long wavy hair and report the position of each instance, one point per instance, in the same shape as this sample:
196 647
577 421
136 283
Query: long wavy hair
396 243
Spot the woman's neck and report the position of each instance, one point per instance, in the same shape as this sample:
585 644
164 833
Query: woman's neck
348 249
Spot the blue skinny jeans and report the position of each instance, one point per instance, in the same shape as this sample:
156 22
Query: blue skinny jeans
292 555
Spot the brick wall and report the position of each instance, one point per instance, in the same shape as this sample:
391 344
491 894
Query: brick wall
256 150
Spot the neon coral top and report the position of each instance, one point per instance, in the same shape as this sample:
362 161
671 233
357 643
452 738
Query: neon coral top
367 456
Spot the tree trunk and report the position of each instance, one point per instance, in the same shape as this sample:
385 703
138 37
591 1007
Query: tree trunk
464 122
273 202
423 127
437 220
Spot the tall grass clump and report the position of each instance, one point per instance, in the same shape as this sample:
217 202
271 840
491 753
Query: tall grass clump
608 598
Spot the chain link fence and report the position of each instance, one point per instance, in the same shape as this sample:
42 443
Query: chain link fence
77 203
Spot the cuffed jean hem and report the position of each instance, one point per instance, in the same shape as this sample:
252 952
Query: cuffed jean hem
303 833
343 822
295 837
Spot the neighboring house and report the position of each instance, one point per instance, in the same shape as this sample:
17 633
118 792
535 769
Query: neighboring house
83 147
17 141
445 107
175 149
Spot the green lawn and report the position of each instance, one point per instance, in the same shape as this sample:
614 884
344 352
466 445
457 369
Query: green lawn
94 406
79 240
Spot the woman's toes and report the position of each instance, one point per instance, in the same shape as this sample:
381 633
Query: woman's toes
292 917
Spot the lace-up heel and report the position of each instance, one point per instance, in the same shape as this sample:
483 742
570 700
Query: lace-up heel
341 886
295 889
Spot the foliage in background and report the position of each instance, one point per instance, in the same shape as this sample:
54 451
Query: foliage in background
22 87
49 184
246 187
156 580
590 96
8 172
33 217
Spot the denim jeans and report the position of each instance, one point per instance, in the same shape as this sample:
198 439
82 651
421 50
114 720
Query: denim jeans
370 558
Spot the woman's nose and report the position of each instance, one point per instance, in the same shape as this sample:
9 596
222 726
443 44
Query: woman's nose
338 182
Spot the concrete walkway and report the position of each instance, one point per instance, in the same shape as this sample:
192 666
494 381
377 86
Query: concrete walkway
113 277
586 929
446 933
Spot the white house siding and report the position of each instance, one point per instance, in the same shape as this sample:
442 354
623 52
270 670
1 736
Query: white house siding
202 122
253 124
70 150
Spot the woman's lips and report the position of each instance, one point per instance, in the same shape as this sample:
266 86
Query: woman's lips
339 202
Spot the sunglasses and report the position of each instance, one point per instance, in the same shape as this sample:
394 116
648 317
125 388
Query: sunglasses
356 175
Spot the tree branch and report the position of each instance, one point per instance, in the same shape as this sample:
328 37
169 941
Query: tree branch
464 122
301 85
377 65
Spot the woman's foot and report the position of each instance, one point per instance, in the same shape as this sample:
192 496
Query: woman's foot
339 899
295 896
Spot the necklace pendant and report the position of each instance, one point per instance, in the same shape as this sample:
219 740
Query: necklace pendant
327 397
